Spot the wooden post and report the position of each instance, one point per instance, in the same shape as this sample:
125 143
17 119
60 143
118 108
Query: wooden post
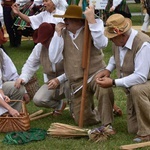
85 66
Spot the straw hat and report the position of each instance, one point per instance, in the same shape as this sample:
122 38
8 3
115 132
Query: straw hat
116 25
73 11
44 32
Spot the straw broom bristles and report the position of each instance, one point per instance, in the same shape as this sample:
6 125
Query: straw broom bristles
66 131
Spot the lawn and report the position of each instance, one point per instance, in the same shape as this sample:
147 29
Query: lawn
19 56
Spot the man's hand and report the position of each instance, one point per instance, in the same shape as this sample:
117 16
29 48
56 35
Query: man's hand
18 83
89 14
104 82
26 98
15 8
111 9
103 73
6 99
13 112
59 27
53 84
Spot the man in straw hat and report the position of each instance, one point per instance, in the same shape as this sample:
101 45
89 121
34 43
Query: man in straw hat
71 43
131 60
51 93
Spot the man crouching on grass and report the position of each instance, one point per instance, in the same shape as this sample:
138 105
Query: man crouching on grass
131 58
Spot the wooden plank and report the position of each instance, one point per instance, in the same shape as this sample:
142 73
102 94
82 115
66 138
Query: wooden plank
137 145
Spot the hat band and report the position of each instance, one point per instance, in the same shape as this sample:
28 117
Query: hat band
116 30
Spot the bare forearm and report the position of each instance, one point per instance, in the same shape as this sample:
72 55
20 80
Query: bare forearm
4 104
24 17
16 10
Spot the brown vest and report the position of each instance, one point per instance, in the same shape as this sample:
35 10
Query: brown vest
128 64
47 65
73 59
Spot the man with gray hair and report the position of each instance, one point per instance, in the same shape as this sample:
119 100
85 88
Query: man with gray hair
131 60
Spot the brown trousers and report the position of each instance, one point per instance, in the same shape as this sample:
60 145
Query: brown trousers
105 101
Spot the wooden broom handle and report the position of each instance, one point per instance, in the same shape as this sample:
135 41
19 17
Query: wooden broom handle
41 116
39 112
85 66
133 146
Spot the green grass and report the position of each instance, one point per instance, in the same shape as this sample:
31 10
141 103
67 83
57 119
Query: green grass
19 56
136 20
134 7
122 137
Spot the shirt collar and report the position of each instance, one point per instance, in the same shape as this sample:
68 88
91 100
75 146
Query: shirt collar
76 34
130 39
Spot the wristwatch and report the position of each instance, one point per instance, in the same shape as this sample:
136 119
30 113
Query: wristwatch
113 82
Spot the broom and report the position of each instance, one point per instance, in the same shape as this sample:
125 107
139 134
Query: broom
68 131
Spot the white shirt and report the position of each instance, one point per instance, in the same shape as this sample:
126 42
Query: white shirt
22 2
37 2
100 41
8 71
33 63
141 61
1 14
97 30
116 3
45 16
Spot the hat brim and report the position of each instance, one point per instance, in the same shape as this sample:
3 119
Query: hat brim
68 16
112 35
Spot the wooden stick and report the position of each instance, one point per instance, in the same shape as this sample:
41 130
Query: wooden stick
85 66
36 113
41 116
137 145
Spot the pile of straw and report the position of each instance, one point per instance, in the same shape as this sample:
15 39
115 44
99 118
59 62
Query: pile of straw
99 134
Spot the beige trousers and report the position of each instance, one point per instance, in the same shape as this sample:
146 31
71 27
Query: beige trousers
138 109
51 98
13 93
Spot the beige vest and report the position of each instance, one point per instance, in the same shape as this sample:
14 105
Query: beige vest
128 64
73 59
47 65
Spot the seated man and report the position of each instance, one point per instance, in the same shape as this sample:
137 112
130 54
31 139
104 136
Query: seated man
8 75
51 93
131 58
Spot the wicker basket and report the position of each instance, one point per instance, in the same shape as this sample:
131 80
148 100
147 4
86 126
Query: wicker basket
32 86
20 123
